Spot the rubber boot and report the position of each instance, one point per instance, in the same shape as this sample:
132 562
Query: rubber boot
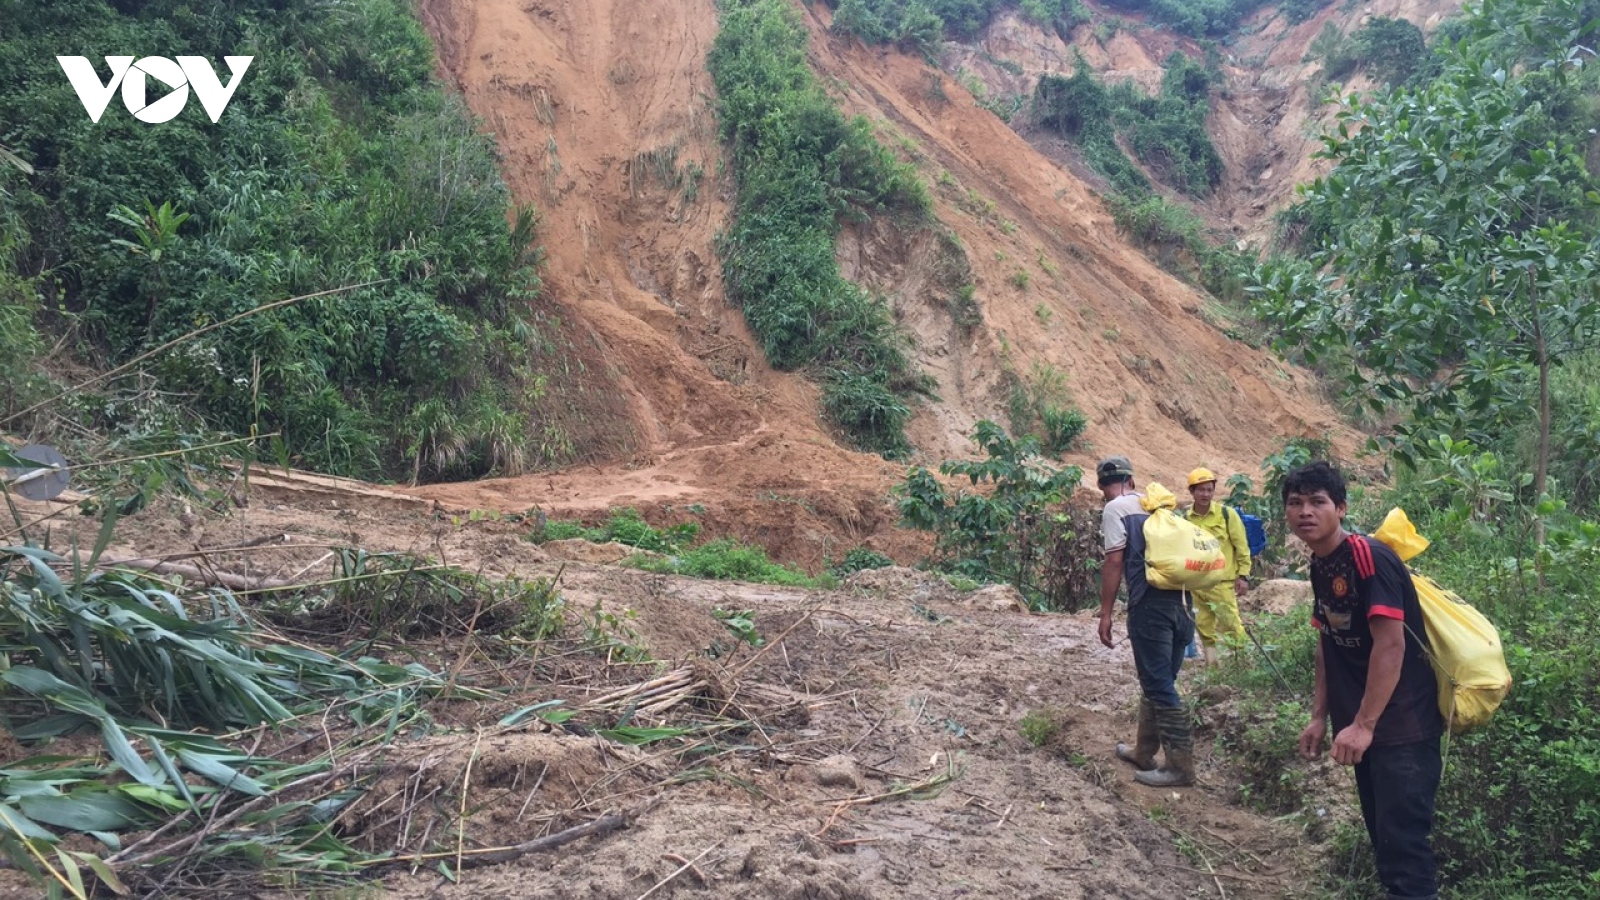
1178 742
1211 654
1142 755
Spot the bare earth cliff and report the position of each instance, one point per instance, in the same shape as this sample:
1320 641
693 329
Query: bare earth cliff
604 115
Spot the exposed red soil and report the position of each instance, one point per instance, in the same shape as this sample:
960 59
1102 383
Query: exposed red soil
586 99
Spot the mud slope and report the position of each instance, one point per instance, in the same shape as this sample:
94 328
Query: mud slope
603 114
1058 287
1264 117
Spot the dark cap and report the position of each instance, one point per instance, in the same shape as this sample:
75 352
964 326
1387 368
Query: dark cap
1113 468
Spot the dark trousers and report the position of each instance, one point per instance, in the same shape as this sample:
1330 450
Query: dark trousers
1159 630
1397 786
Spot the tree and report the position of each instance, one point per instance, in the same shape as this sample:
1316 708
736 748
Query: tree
1460 255
1001 532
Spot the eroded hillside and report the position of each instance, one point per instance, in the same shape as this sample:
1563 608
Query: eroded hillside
604 116
1263 120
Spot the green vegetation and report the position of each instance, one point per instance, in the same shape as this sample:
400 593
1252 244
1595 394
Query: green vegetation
1519 794
1019 531
741 623
1214 18
859 559
1082 110
1181 243
921 24
1448 280
726 559
800 166
672 550
403 596
1453 270
1042 407
624 526
167 676
338 166
1039 728
1166 132
1390 50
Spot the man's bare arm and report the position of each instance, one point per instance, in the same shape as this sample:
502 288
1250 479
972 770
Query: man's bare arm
1110 580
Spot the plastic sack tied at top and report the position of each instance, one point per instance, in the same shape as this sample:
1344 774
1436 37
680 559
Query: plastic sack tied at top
1466 651
1178 554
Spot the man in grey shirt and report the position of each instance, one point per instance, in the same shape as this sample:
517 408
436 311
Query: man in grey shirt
1159 629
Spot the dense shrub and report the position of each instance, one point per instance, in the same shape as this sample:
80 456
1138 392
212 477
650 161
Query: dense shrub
725 559
1181 242
1041 406
1389 50
1208 18
857 560
1021 531
1081 109
338 162
1166 132
625 526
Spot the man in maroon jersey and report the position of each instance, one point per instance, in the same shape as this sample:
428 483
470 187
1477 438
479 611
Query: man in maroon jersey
1372 679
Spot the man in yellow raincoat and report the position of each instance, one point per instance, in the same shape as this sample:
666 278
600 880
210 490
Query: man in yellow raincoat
1216 609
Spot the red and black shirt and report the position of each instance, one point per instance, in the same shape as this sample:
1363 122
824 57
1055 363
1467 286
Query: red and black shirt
1363 580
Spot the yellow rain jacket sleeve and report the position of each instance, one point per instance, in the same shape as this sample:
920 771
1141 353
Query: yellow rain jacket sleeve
1225 525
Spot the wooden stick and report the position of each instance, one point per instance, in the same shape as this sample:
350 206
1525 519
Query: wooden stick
667 680
680 870
466 788
1236 876
693 870
774 642
123 859
472 858
229 580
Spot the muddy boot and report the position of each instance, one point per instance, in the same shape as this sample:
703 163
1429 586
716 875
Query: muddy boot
1178 742
1142 755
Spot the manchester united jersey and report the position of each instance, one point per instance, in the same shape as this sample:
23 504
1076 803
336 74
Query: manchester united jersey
1360 581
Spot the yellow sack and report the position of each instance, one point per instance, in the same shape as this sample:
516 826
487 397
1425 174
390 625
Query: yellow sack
1466 656
1178 554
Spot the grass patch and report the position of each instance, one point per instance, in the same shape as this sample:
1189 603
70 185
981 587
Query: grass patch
624 526
725 559
1039 728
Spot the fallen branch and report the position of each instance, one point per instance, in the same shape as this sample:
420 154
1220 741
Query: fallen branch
925 789
124 859
495 855
244 584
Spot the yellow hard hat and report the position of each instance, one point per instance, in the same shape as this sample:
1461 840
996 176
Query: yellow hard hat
1201 476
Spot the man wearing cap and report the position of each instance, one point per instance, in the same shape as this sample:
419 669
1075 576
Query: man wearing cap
1216 609
1159 629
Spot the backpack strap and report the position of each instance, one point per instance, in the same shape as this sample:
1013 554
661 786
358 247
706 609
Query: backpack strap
1362 551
